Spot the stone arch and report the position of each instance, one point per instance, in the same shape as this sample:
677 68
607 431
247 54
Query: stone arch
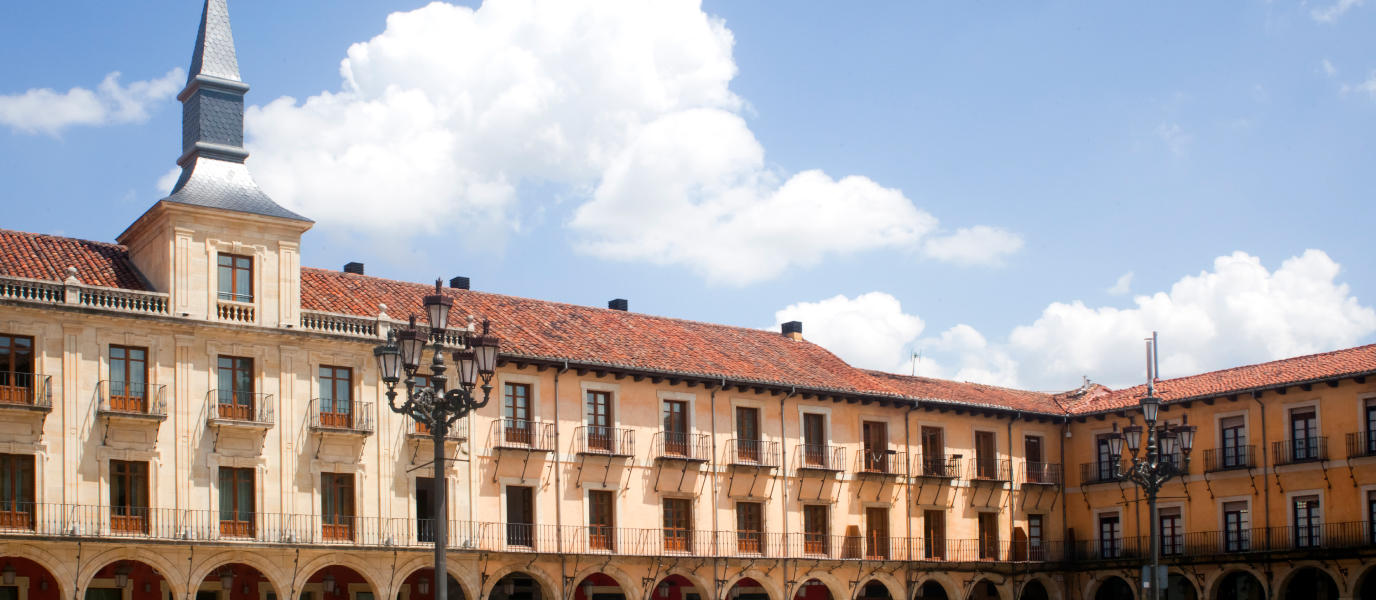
1053 591
896 589
337 559
427 561
1355 589
175 577
770 587
834 585
1092 586
1003 591
536 573
622 579
1213 584
1189 578
692 578
57 568
269 569
941 579
1284 580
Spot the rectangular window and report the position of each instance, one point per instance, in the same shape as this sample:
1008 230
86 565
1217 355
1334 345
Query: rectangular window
1234 434
1110 534
1035 549
16 370
1308 522
236 278
236 502
1032 453
336 397
1371 426
520 516
425 509
337 506
128 379
934 534
816 530
750 527
516 414
600 421
129 496
1105 467
1237 532
675 428
876 438
876 533
814 440
1172 533
678 525
1304 432
986 459
236 388
933 452
16 491
748 434
601 520
1371 517
988 536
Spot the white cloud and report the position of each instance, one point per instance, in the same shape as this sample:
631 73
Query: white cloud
1175 138
627 102
169 180
1331 13
1368 86
1123 286
871 331
1239 313
978 245
47 111
1329 69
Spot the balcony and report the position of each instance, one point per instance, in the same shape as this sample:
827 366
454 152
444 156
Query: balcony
937 466
1361 444
605 441
752 453
226 408
521 434
688 447
26 391
1297 451
991 469
1040 473
1230 459
1103 472
818 457
134 401
420 431
878 462
341 417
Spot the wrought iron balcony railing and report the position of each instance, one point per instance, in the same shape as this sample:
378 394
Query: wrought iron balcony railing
1104 472
1040 473
678 445
605 441
991 469
1361 444
1299 450
341 416
938 466
819 457
883 462
131 399
521 434
26 390
1230 458
752 453
228 407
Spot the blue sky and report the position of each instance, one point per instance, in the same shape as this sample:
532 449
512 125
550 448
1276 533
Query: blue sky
1086 141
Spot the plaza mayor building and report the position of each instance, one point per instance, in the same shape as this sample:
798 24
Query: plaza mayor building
191 414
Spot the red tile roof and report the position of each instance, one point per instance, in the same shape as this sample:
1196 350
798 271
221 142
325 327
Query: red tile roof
926 388
36 256
1291 371
556 331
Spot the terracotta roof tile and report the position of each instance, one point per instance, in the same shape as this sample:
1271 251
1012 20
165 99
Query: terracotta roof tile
1291 371
926 388
46 257
557 331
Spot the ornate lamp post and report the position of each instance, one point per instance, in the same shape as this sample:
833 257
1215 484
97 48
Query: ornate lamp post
1158 465
435 406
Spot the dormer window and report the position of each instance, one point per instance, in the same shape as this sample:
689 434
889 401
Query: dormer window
236 278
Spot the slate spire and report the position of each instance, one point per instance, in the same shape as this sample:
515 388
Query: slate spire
213 154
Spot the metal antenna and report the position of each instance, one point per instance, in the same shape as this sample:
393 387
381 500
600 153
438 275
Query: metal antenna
1155 357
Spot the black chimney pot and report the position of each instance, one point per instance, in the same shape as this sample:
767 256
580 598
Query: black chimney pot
354 267
793 327
459 283
619 304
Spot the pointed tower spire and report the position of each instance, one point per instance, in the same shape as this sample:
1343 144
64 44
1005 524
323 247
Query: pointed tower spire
213 154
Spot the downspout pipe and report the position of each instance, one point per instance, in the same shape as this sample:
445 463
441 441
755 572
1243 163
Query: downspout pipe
716 580
783 473
1265 480
558 491
908 471
1012 489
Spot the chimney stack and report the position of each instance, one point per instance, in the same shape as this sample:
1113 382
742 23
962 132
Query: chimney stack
619 304
459 283
793 330
354 267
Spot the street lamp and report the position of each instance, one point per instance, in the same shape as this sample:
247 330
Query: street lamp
435 406
1167 449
